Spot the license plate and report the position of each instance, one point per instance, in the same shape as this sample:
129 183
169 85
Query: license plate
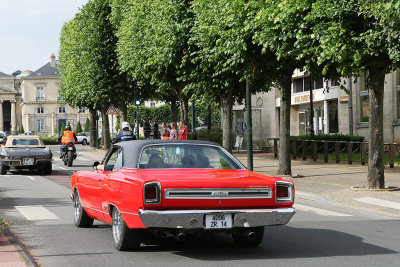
28 161
218 221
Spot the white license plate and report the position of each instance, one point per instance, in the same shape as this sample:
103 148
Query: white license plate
218 221
28 161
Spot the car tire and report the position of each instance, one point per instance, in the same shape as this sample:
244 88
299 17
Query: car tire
3 169
48 169
242 239
84 142
123 237
81 219
70 158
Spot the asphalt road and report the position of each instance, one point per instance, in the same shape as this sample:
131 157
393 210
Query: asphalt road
320 234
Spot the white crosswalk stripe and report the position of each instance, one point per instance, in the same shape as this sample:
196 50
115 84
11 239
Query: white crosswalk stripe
379 202
35 213
319 211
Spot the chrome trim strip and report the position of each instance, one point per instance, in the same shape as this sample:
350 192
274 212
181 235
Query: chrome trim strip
95 210
218 193
129 213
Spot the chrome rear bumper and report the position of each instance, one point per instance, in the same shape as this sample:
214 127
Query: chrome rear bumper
190 219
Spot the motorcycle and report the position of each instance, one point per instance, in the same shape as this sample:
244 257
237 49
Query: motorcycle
69 154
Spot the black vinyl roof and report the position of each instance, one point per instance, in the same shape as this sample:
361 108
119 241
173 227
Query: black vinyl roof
131 149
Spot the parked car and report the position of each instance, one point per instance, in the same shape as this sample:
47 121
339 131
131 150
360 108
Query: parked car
3 137
25 152
83 138
178 188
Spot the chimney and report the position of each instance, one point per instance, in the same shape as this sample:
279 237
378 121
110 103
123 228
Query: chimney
53 60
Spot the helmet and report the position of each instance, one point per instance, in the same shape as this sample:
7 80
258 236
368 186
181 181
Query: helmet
126 124
68 128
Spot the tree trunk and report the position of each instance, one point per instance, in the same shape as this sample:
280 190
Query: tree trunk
226 121
184 102
106 130
174 111
375 85
92 127
123 115
285 165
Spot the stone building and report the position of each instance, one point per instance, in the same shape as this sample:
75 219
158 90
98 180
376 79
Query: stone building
32 99
332 108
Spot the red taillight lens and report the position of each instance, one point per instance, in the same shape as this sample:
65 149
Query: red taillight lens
151 192
70 144
282 191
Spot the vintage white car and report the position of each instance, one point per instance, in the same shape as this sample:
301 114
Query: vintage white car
83 138
25 152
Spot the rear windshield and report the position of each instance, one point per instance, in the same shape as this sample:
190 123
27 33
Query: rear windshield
25 142
186 156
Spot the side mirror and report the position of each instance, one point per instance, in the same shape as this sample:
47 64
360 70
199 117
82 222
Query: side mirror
95 164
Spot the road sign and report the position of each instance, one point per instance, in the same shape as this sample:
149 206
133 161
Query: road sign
111 110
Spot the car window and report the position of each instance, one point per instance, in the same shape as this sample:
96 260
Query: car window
25 142
115 159
186 156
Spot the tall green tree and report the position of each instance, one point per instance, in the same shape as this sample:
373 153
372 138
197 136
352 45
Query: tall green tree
345 38
78 128
277 25
226 55
90 73
153 45
87 125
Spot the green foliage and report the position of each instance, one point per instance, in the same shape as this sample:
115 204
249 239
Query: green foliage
215 135
78 128
49 140
87 125
330 137
62 129
21 129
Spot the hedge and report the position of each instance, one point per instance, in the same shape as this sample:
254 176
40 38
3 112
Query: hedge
330 137
50 140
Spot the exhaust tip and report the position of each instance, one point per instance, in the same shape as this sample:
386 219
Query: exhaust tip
252 235
181 237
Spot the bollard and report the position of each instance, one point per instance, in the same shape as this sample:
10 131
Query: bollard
275 148
304 148
337 151
314 150
363 150
326 151
294 149
350 153
391 155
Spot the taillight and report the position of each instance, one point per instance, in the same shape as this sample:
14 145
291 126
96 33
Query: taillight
152 193
283 192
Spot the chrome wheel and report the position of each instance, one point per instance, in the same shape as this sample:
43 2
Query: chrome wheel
77 208
81 219
116 226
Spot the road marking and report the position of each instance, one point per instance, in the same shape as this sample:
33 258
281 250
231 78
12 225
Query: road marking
379 202
32 178
34 213
320 211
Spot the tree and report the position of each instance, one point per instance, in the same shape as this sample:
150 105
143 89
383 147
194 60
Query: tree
153 45
90 73
345 38
226 56
62 129
277 25
87 125
21 129
78 128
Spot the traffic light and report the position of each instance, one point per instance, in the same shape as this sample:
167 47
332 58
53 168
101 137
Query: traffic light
138 95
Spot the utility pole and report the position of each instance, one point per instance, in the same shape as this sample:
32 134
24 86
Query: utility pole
350 106
249 127
311 110
193 116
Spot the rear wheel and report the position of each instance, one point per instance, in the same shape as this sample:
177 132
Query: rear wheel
81 218
248 237
123 237
3 169
70 158
48 169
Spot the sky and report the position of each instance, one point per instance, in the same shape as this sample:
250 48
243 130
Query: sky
30 31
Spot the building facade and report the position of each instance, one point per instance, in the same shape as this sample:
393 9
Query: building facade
333 108
31 99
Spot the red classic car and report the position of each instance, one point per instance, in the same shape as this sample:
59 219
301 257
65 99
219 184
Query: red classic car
178 188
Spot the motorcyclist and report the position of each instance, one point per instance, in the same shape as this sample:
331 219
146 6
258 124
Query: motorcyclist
67 137
125 134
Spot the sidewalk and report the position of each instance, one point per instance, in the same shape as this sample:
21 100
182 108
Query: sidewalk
9 255
343 183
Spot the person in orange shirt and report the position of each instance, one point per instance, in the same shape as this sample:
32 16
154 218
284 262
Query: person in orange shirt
183 131
68 136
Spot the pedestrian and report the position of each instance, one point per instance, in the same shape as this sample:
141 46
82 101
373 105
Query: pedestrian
125 134
173 134
155 130
164 131
183 131
146 129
